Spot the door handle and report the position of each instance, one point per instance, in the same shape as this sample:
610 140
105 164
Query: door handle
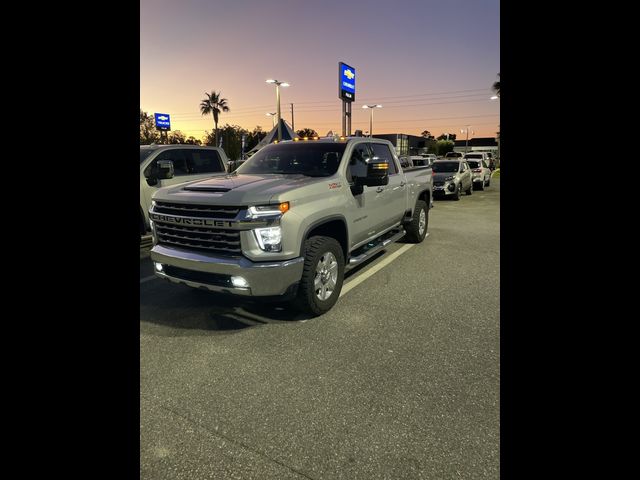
380 189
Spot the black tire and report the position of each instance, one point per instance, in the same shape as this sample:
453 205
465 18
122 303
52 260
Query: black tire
413 228
456 196
469 191
315 250
488 182
481 185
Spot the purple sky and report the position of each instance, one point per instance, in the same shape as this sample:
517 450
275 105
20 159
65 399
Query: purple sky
430 63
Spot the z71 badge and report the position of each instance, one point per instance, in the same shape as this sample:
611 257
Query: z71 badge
334 185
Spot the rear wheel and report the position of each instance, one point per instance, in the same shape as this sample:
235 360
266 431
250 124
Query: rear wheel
417 228
322 276
488 182
480 185
469 191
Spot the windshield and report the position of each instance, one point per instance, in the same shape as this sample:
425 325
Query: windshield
473 163
445 167
310 159
452 155
144 153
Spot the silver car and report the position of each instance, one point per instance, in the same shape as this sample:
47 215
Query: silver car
451 177
481 173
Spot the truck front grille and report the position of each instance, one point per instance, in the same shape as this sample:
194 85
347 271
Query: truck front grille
202 211
226 242
438 184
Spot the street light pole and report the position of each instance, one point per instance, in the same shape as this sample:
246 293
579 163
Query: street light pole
371 117
272 115
466 145
278 84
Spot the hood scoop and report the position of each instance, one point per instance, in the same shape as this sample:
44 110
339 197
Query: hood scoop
206 188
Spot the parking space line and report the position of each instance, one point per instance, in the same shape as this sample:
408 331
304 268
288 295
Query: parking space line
354 283
147 279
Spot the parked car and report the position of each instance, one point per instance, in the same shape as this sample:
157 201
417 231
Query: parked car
422 160
480 171
453 155
163 165
451 177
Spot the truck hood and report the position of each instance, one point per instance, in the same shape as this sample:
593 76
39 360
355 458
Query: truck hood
235 190
439 177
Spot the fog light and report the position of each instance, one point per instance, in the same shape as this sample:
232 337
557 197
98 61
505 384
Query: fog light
239 282
452 187
158 267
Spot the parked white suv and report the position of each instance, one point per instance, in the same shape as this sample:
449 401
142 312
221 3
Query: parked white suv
479 163
163 165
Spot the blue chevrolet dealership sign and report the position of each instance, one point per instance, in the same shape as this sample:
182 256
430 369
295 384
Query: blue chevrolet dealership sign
347 82
163 121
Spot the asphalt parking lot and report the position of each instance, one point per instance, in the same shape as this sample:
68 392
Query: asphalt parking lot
400 380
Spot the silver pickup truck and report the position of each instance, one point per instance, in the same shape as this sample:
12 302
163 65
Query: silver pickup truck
290 220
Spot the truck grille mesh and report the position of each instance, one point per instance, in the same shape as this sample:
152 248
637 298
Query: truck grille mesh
212 240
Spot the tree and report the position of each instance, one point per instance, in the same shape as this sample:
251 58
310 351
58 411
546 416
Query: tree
177 137
214 105
255 137
447 136
444 146
426 134
307 132
148 132
231 136
496 86
193 141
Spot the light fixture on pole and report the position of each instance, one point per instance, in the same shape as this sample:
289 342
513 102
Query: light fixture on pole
278 85
371 116
463 130
273 117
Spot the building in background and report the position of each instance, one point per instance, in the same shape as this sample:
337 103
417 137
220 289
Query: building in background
480 144
407 144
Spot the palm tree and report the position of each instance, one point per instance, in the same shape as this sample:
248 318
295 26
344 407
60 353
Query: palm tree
496 87
214 104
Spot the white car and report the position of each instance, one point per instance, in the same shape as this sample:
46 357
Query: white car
162 165
480 171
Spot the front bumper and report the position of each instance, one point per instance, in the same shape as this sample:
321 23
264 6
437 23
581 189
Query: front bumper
203 270
442 190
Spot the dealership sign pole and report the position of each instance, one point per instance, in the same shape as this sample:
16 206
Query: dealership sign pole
346 92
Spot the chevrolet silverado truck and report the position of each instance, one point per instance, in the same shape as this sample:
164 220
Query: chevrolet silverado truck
290 220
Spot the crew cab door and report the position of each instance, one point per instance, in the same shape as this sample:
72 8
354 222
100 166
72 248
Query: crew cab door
394 194
365 210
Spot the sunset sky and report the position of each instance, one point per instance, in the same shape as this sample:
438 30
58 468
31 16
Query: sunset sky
430 63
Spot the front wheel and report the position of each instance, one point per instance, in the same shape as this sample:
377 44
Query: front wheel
458 192
417 229
322 275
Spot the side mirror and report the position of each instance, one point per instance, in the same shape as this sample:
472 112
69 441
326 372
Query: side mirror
165 169
377 173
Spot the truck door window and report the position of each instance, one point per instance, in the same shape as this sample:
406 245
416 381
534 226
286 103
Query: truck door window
204 161
179 159
383 153
358 162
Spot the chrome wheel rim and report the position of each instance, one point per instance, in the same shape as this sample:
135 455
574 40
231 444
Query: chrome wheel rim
326 276
422 223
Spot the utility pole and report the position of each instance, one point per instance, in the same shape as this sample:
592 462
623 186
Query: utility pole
293 125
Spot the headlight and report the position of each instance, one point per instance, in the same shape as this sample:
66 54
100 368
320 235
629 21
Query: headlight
269 239
265 210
